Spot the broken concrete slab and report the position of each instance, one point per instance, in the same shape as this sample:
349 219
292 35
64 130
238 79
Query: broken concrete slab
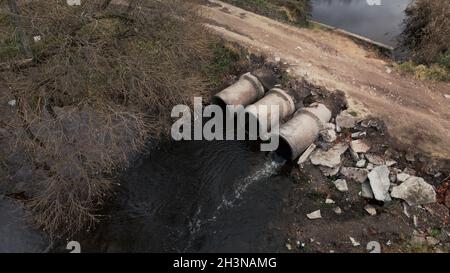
330 158
380 183
306 154
415 191
341 185
357 174
359 146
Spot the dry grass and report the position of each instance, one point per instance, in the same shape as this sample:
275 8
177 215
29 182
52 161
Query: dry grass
427 31
103 81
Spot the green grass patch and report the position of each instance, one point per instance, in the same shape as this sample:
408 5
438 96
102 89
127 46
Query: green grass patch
434 72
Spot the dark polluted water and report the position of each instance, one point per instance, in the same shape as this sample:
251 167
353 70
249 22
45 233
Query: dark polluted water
381 23
197 196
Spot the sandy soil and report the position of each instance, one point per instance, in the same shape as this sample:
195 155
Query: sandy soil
416 112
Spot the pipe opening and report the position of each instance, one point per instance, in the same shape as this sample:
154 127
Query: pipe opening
216 100
284 149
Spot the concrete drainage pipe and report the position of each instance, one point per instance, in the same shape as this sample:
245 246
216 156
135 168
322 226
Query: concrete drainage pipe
244 92
261 111
302 130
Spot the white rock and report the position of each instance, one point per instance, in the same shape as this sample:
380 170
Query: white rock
329 201
277 59
74 2
330 158
354 242
12 103
380 183
328 135
402 177
37 38
306 154
370 210
359 134
388 70
337 210
447 96
390 163
341 185
366 190
357 174
415 191
359 146
361 163
314 215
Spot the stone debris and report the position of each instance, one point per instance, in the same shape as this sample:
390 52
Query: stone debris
361 163
447 96
392 178
402 177
366 191
329 201
328 135
354 242
359 135
375 159
341 185
354 155
330 158
357 174
329 172
12 103
391 163
410 157
306 154
337 210
379 182
370 210
415 191
346 121
314 215
359 146
37 38
369 167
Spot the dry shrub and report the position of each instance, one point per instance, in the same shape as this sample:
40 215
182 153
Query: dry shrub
104 79
427 31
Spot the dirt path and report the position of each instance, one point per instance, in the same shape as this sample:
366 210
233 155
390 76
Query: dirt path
416 113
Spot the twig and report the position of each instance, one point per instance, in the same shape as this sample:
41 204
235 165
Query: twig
22 36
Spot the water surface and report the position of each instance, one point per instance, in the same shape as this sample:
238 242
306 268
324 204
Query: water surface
381 23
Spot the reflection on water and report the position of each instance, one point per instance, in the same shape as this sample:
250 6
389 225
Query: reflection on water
197 196
380 23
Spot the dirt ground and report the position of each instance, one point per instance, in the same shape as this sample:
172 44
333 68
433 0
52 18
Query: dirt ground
417 113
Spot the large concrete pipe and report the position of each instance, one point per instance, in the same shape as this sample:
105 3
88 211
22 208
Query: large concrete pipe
244 92
261 111
302 130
